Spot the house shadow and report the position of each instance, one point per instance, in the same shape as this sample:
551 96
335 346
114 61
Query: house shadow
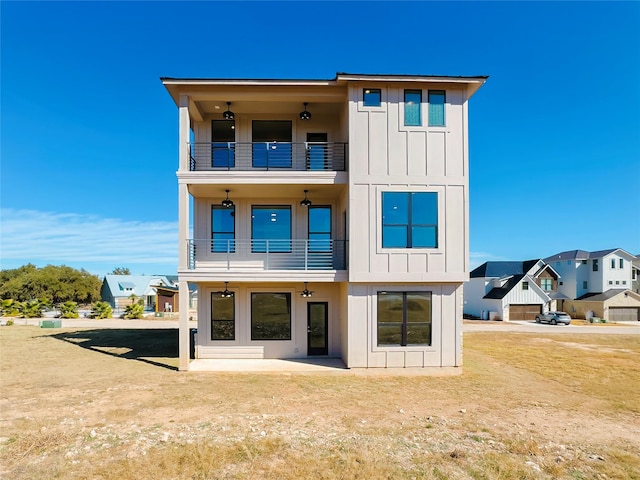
153 346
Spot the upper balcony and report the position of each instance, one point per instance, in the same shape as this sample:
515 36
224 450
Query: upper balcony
268 156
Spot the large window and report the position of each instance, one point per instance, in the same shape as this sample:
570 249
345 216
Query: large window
223 136
270 316
271 229
412 107
271 143
546 284
372 97
319 228
223 323
404 318
409 220
436 108
223 229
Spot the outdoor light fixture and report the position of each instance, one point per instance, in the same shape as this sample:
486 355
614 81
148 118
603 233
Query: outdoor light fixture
305 202
305 115
226 202
228 115
227 293
306 292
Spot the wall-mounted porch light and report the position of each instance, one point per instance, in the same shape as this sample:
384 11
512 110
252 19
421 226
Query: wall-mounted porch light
227 293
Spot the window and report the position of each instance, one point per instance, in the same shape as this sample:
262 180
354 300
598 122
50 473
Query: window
561 283
584 262
271 229
568 262
621 263
270 316
525 285
372 97
595 265
319 228
633 274
409 220
412 107
223 136
223 324
613 263
546 284
624 282
404 318
436 108
617 282
223 229
585 285
610 282
271 143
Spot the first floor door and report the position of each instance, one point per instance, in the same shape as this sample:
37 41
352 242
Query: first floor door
317 328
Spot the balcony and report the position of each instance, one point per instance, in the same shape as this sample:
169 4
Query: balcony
263 255
274 156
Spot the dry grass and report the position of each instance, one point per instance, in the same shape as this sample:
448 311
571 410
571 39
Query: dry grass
108 404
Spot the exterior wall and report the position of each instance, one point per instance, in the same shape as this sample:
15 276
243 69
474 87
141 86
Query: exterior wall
106 295
572 274
446 348
474 290
615 277
578 308
387 156
294 348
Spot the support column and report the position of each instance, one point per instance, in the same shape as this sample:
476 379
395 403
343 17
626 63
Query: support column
183 235
183 329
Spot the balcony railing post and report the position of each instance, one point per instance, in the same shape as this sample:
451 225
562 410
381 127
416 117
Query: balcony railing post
228 254
306 254
267 251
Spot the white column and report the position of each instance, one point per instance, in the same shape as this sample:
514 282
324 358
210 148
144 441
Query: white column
183 234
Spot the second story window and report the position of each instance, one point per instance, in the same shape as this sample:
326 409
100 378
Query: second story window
412 108
546 284
585 285
271 229
409 220
525 285
621 263
595 265
436 108
223 136
613 263
223 229
319 228
372 97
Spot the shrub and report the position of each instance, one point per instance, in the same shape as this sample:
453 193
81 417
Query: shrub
69 310
9 308
31 309
135 310
101 310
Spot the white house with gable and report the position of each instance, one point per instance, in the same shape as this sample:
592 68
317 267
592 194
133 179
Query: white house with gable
330 217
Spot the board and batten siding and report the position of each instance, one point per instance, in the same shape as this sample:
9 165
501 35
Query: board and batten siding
384 155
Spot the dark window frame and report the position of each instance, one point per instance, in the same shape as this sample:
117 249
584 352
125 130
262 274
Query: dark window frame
405 323
525 285
319 232
227 146
410 225
214 320
231 244
419 122
444 103
371 91
594 266
289 305
254 249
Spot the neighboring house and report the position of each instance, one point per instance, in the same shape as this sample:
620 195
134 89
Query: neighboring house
330 217
118 289
511 290
599 278
635 274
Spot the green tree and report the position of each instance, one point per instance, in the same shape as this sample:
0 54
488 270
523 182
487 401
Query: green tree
101 310
121 271
69 310
53 284
32 308
9 308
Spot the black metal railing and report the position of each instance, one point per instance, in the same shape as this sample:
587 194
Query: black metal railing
267 254
281 156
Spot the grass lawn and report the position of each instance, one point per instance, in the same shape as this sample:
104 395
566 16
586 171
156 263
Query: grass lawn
109 404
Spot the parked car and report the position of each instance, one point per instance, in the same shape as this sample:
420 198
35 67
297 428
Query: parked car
554 318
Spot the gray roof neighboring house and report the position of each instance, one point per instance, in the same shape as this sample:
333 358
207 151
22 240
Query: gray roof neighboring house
601 297
500 292
581 255
503 269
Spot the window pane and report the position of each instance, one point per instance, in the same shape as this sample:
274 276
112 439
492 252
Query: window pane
372 97
436 108
395 208
412 107
424 237
424 208
419 307
222 229
394 237
273 149
319 242
273 224
223 242
419 334
389 318
320 219
222 317
222 136
270 316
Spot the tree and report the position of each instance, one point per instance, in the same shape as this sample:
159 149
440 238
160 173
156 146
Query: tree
101 310
121 271
52 284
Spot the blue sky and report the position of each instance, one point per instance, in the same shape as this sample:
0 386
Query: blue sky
89 134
